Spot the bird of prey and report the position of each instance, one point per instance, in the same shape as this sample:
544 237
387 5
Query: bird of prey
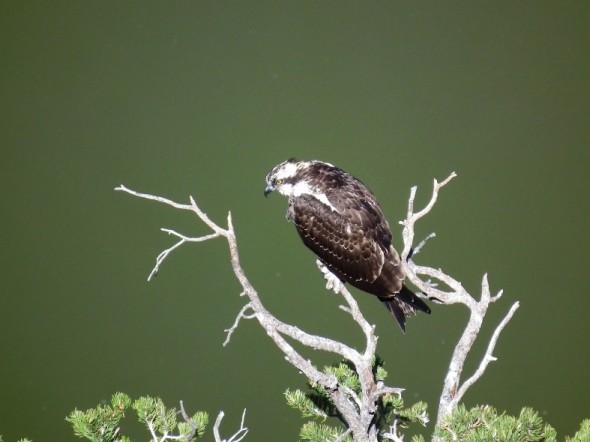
340 220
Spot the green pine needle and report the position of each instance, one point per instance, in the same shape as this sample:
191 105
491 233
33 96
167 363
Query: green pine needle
314 432
484 423
101 424
582 435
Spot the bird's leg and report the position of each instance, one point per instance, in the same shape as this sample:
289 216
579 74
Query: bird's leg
421 294
333 283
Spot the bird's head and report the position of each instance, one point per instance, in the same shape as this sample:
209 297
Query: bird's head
285 176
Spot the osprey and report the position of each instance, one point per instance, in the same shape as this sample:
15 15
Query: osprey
340 220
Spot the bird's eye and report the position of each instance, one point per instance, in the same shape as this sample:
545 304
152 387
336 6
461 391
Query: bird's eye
279 181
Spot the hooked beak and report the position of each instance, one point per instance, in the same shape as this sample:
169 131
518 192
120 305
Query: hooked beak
268 190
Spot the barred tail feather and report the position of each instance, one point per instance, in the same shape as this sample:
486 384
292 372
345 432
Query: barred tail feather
403 304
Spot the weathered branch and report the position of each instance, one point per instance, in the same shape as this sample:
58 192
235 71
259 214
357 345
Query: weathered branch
357 410
241 315
188 421
412 218
487 358
453 390
237 436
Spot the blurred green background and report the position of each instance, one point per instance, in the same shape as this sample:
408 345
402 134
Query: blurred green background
202 99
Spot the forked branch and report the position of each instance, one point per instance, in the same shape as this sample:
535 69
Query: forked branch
237 436
357 410
453 389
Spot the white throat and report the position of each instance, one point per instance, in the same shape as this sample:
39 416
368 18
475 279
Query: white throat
303 188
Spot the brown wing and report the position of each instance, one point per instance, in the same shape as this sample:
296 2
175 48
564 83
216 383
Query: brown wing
352 240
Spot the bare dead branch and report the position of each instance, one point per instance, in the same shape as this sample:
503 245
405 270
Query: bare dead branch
237 436
189 421
183 239
357 410
412 218
241 314
453 390
423 243
488 356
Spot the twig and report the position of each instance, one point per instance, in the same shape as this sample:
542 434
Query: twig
189 421
241 314
412 218
423 243
237 436
183 239
488 356
150 426
393 435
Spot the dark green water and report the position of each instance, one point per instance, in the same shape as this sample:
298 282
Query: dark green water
202 99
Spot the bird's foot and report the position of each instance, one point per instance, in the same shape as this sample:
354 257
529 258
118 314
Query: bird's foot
333 283
432 284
